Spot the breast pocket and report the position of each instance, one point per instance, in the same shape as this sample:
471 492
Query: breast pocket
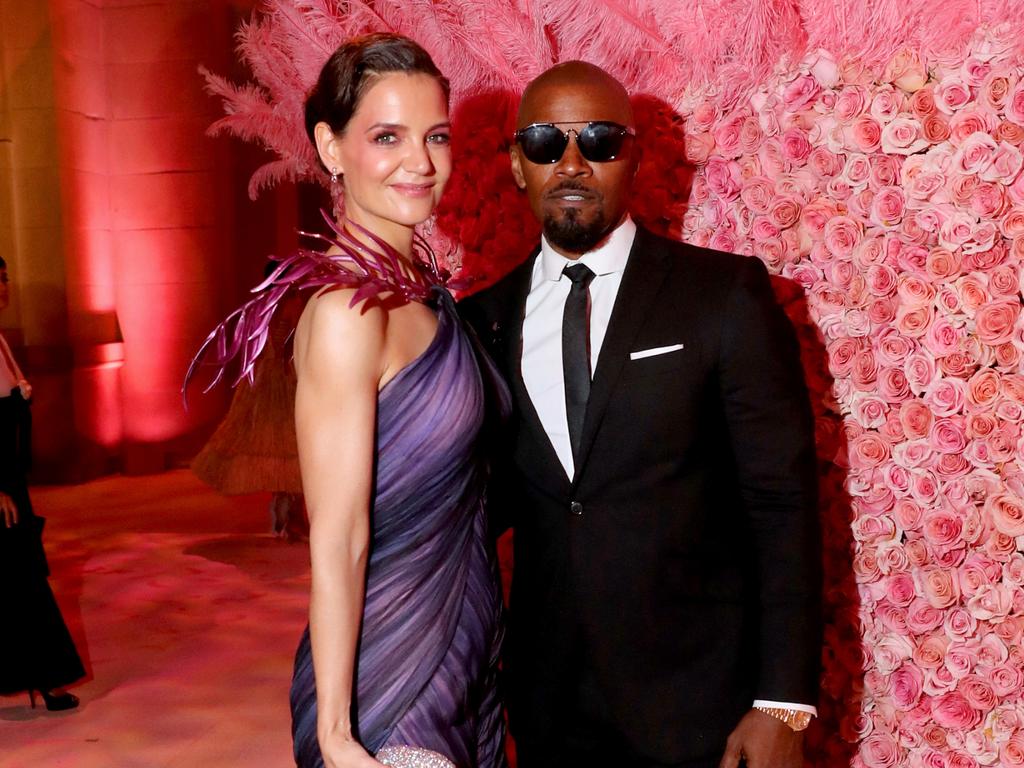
657 359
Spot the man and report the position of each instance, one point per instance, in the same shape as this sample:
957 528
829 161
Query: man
660 471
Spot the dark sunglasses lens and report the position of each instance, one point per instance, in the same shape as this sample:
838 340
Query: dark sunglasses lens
600 142
542 144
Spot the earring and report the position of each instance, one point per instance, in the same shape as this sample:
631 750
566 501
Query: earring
334 175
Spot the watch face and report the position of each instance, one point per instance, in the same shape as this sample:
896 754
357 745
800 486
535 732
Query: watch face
799 720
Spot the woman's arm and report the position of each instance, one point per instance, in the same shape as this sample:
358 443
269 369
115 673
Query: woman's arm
339 362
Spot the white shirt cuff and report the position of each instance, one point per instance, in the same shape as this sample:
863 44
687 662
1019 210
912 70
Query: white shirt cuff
786 705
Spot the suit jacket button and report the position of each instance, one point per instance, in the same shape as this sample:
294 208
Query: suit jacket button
576 508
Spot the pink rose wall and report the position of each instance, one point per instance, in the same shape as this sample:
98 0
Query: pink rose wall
870 154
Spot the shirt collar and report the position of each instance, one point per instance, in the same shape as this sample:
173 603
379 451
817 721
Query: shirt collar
609 258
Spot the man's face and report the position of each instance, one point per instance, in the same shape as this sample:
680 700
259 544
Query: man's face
578 202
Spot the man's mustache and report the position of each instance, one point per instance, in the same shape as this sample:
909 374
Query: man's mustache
574 186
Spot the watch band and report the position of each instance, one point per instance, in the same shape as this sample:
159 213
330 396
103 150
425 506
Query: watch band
796 719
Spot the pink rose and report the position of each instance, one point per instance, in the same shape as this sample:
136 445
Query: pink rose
938 587
947 435
865 135
981 242
867 451
1012 225
983 388
841 236
916 418
880 750
951 710
992 602
905 686
995 90
886 103
824 163
1008 356
885 171
1009 132
988 200
946 397
903 136
931 652
1015 104
751 135
893 386
888 207
704 116
850 103
723 178
970 121
996 321
976 154
1007 513
698 147
800 93
943 338
942 528
795 146
975 70
727 137
959 365
757 193
1006 164
959 624
942 264
972 292
906 71
951 94
956 230
922 103
1005 680
784 211
934 129
1011 753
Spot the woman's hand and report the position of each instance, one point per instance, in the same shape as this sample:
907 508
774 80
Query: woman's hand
9 510
26 389
340 751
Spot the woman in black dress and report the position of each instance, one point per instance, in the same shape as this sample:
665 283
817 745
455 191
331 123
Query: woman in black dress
36 649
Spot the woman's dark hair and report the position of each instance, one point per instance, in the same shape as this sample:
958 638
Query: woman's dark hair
3 264
352 69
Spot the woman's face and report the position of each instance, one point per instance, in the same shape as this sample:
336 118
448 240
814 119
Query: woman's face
394 155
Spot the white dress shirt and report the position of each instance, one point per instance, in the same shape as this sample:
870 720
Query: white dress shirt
542 340
542 326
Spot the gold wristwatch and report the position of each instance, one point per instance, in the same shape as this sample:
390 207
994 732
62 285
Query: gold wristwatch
796 719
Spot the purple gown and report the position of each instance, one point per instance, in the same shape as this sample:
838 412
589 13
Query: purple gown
428 651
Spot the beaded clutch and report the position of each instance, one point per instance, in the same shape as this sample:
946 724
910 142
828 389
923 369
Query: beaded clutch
412 757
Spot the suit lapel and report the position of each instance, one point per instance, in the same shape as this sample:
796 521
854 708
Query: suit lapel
645 272
540 456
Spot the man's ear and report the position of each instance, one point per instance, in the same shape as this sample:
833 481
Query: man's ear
517 166
327 146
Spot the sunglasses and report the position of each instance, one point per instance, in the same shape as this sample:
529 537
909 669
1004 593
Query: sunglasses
599 141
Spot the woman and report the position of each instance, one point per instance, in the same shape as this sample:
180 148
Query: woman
36 649
404 629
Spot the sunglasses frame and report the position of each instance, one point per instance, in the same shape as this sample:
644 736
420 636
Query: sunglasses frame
625 130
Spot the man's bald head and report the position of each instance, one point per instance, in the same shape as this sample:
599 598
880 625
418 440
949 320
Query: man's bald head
588 81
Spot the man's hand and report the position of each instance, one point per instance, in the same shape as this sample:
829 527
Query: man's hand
764 742
8 510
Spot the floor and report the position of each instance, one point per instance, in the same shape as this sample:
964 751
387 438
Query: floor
186 612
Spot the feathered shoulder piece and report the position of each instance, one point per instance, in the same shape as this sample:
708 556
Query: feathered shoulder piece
370 269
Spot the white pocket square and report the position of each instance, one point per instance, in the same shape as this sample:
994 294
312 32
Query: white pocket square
654 351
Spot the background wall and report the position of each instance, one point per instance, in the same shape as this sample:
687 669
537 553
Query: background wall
126 229
869 152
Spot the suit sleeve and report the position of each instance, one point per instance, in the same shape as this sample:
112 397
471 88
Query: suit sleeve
771 431
478 315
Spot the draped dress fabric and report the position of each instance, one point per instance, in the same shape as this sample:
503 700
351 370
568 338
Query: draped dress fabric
427 659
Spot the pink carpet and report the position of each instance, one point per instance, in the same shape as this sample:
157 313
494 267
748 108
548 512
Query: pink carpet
186 613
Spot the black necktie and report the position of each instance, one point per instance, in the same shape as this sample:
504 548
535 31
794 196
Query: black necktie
576 351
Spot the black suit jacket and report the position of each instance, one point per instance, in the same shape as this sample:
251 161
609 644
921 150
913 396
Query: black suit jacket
681 565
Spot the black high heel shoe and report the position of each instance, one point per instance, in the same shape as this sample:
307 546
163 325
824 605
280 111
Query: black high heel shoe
55 702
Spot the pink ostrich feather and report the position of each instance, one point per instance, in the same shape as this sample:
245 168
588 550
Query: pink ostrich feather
720 49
